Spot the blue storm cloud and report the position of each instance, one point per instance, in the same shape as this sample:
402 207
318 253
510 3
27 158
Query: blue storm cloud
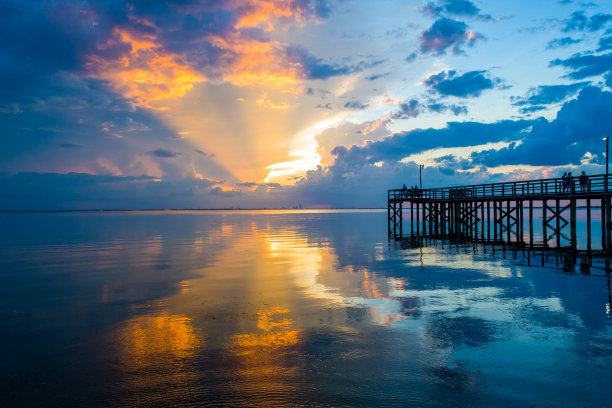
548 94
578 21
470 84
605 43
585 66
464 8
446 33
562 42
577 129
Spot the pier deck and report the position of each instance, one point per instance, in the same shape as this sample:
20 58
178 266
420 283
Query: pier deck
496 212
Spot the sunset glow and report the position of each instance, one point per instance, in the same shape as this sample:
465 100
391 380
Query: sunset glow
276 102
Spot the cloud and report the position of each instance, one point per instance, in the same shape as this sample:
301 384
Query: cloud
163 153
578 128
147 73
218 191
264 102
561 43
408 109
312 67
578 21
440 107
355 105
585 66
446 33
548 94
353 177
411 58
605 43
470 84
378 76
464 8
54 191
532 109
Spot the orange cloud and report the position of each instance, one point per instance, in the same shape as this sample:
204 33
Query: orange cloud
147 73
257 62
258 12
264 102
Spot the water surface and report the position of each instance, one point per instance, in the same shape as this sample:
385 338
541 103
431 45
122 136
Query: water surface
289 308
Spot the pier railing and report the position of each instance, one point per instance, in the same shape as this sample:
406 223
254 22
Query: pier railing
553 187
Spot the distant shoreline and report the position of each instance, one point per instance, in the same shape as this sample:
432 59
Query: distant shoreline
195 209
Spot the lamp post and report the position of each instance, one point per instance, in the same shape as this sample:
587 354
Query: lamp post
607 214
421 178
607 153
607 139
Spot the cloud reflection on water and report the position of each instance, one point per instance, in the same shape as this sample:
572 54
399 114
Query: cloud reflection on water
247 308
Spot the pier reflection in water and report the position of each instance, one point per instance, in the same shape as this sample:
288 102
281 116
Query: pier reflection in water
273 308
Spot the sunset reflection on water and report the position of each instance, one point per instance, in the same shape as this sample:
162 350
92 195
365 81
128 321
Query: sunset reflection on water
285 309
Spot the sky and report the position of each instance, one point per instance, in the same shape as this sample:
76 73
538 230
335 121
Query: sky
150 104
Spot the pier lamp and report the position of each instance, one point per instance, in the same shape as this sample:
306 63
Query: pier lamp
421 178
607 139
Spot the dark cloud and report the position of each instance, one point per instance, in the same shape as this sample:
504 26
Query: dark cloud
375 77
578 21
218 191
54 191
440 107
313 67
548 94
531 109
164 153
585 66
455 134
578 128
355 105
561 42
446 33
605 43
470 84
464 8
408 109
411 58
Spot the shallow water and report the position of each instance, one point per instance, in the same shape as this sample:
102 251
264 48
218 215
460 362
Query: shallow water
293 308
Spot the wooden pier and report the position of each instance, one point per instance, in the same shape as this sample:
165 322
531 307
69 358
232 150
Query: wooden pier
506 213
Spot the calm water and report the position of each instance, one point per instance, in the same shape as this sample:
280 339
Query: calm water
288 309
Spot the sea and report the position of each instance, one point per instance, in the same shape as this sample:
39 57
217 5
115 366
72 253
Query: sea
291 308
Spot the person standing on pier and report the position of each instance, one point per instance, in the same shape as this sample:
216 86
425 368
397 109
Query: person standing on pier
564 182
404 191
570 182
584 180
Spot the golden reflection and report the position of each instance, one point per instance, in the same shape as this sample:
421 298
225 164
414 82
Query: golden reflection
154 351
143 338
265 366
315 269
370 288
